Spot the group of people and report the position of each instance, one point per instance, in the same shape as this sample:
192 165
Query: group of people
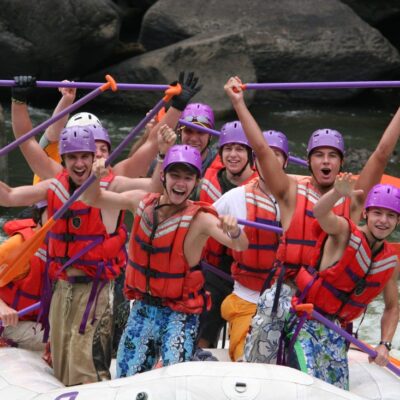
190 265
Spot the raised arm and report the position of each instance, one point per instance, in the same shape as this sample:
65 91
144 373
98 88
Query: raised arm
139 162
331 223
23 195
280 184
52 133
35 156
373 170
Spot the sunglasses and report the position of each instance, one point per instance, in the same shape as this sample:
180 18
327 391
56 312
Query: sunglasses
193 118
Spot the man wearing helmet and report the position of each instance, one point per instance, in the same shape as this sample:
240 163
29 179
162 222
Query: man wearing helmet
236 169
86 251
351 265
296 199
252 201
166 243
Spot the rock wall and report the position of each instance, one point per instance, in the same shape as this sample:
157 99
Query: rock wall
151 41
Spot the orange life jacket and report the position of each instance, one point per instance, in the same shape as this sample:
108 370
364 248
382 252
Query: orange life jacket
252 266
80 227
345 289
157 265
24 292
297 243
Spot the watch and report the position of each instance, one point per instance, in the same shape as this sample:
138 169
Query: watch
388 345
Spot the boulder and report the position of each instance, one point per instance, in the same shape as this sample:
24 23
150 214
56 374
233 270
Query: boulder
56 39
203 54
287 41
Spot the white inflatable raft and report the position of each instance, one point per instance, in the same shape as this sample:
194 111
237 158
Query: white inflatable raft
23 375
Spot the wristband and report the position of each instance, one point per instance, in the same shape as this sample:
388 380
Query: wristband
233 237
388 345
160 157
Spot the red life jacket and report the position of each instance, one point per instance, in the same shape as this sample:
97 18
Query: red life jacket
252 266
82 226
24 292
297 243
157 265
210 192
345 289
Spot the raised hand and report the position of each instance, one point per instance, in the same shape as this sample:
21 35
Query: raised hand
99 169
166 137
344 185
233 89
189 89
68 92
24 85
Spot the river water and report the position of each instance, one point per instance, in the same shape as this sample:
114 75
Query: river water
360 126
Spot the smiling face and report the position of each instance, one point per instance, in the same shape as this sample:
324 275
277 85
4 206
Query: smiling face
78 166
234 157
381 222
325 163
196 139
179 182
102 150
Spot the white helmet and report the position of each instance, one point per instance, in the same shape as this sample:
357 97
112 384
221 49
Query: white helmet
83 119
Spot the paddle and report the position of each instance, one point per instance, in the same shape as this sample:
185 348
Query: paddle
90 85
309 309
257 225
292 160
320 85
26 310
41 127
16 263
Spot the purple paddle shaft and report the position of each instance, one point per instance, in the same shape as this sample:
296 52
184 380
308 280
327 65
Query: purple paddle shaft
321 85
351 339
27 310
90 85
292 159
257 225
41 127
111 158
199 128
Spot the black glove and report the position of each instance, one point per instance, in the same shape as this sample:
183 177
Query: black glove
23 87
189 89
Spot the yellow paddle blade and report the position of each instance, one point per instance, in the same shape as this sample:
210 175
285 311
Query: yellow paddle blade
15 264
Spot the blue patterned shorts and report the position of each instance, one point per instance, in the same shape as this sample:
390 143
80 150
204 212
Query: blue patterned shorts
320 352
154 331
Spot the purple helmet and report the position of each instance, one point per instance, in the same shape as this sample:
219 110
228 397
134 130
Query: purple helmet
76 139
198 112
100 133
384 196
326 138
183 154
277 140
232 132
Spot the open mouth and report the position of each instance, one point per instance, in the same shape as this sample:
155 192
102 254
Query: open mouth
79 173
326 171
179 192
